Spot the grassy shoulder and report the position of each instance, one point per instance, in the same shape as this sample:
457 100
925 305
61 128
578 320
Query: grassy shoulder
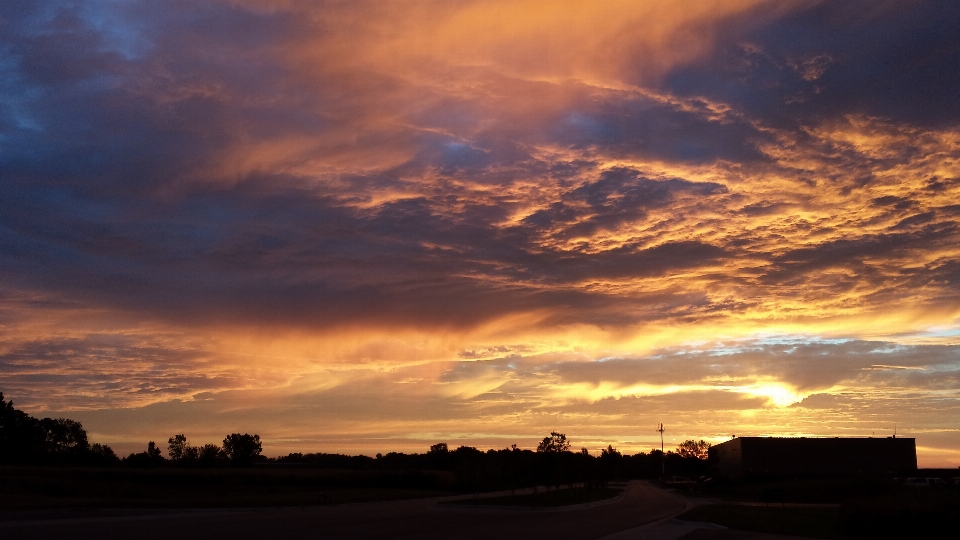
35 488
547 499
773 519
894 514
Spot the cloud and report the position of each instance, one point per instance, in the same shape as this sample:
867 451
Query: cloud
823 61
510 207
792 385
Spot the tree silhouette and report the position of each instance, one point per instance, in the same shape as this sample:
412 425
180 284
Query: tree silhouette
153 452
177 447
64 437
556 442
210 454
151 458
439 448
101 454
21 437
610 453
693 449
242 449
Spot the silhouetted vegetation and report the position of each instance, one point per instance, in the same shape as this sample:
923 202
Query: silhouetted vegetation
552 465
242 449
26 440
693 449
49 462
152 457
556 442
208 455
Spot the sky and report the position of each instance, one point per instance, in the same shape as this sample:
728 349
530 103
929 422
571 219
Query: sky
366 226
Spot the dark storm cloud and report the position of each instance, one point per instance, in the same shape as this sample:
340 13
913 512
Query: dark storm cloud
855 253
894 60
629 127
87 218
619 196
107 146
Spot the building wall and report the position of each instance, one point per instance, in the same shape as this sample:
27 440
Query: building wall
727 458
746 456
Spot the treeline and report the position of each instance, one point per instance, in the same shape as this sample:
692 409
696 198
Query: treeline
237 450
25 440
29 441
552 464
35 441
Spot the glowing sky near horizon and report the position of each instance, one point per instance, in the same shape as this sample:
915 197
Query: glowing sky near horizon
372 226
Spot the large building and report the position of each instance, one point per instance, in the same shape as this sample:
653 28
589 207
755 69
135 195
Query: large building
780 456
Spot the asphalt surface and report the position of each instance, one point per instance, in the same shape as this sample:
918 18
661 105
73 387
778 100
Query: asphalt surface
642 504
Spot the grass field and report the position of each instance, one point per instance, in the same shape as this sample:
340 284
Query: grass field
895 513
548 499
31 488
810 522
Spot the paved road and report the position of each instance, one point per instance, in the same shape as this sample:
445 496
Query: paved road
416 519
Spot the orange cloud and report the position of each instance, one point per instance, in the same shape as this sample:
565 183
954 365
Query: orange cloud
410 218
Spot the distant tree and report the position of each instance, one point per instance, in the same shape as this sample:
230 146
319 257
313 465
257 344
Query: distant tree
153 451
210 454
611 463
151 458
242 449
101 454
556 442
584 452
191 453
693 449
610 453
25 439
180 451
439 448
176 446
64 437
21 437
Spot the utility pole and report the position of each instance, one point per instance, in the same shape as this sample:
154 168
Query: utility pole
663 462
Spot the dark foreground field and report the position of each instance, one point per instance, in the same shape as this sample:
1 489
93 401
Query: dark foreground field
36 488
279 502
832 508
408 519
548 499
813 522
